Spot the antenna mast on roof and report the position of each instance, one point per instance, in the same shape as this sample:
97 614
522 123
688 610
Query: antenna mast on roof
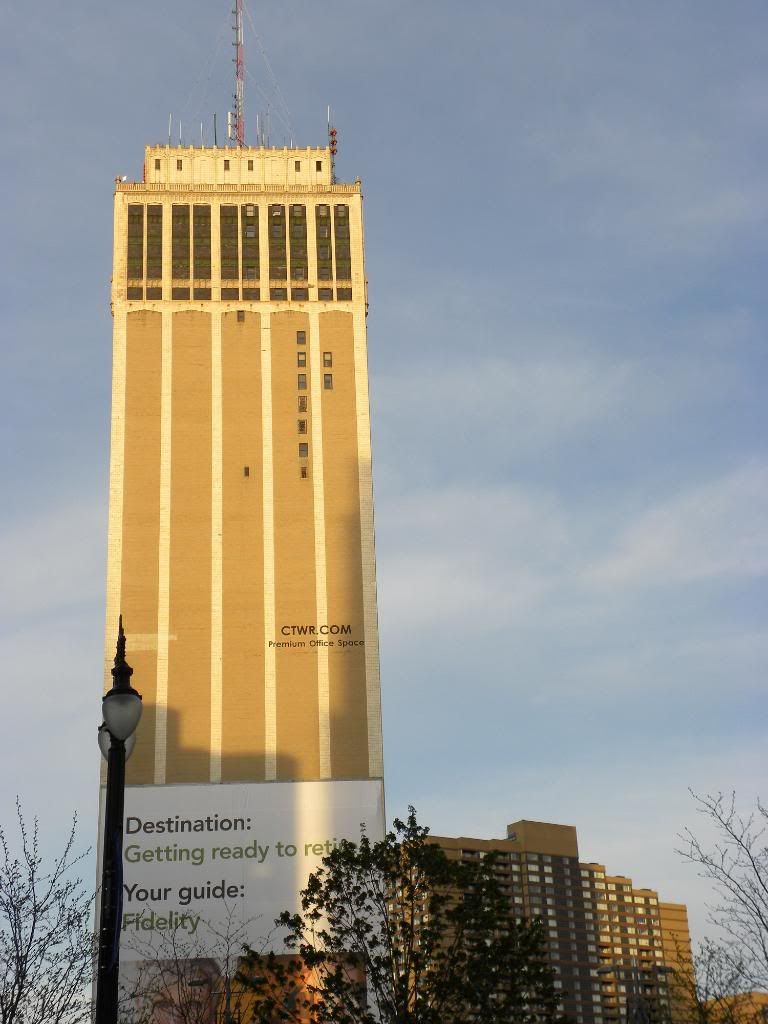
237 122
333 146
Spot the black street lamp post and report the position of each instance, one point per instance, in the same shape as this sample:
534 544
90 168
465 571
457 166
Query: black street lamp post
121 708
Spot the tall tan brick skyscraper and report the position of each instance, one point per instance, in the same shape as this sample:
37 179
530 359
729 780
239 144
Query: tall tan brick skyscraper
241 547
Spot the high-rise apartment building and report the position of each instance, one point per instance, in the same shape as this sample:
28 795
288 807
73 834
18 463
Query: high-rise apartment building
240 549
611 944
241 520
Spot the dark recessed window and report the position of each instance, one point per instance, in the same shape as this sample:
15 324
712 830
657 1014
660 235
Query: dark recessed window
226 165
303 450
302 426
179 293
301 337
325 294
278 293
328 381
241 316
251 294
297 165
304 472
250 165
246 470
327 358
322 211
230 293
318 165
300 294
301 358
201 293
157 165
324 273
178 165
135 293
302 382
154 293
344 293
302 403
299 273
250 211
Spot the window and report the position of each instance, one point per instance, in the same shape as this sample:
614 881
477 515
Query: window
303 403
178 165
322 211
325 294
301 358
304 472
250 230
241 316
246 470
303 450
297 165
327 358
226 165
318 165
301 337
302 426
157 165
250 211
302 382
250 165
328 381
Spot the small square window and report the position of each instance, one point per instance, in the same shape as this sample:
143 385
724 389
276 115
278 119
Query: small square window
301 358
297 165
325 294
328 381
301 337
178 165
303 405
246 470
322 211
302 426
250 165
324 273
241 316
226 165
318 165
327 358
304 472
250 230
303 450
302 382
250 211
157 165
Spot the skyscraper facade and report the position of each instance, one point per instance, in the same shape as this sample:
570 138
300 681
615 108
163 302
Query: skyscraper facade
612 945
241 521
240 546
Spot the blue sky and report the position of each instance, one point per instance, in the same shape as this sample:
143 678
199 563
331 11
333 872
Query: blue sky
566 212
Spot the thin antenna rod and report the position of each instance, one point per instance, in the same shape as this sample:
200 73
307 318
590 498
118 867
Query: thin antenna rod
215 133
170 128
239 74
332 145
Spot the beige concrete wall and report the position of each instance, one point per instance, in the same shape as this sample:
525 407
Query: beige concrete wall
208 564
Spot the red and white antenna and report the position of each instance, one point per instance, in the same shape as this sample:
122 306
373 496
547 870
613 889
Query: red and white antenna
237 125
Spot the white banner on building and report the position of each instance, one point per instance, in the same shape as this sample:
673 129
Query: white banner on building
202 859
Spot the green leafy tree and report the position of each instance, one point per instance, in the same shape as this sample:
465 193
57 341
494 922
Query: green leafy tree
394 932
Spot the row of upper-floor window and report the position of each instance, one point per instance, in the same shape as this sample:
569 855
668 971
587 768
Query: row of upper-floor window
239 236
226 164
